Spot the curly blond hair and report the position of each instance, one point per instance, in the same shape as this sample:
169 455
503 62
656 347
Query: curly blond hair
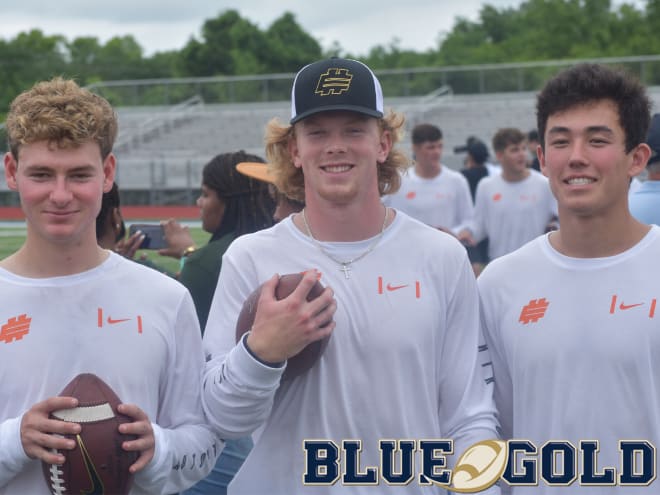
60 112
290 180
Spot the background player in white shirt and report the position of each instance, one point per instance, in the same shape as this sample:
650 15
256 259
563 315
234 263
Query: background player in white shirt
71 307
431 192
511 208
402 361
571 318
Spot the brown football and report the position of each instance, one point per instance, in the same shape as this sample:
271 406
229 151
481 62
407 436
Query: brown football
305 359
98 464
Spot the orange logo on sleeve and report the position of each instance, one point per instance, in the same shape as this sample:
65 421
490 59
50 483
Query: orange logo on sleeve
15 328
411 195
533 311
497 196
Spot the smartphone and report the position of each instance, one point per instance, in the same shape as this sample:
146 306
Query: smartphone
154 237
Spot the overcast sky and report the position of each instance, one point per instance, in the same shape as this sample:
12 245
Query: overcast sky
159 25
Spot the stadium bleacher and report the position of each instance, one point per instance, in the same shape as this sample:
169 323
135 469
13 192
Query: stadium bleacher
172 156
164 148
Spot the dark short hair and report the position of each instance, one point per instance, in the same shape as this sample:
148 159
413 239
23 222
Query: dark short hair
587 83
507 136
423 133
109 201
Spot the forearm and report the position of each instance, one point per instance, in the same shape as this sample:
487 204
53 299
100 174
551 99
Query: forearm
183 456
238 392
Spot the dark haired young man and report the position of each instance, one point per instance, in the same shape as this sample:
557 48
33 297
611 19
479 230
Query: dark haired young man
571 318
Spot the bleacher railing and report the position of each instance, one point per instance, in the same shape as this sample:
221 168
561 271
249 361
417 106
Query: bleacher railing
411 82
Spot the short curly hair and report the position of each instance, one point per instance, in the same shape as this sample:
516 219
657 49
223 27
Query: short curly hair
290 180
588 83
61 112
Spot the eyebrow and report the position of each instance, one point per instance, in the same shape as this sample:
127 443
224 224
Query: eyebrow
48 168
591 129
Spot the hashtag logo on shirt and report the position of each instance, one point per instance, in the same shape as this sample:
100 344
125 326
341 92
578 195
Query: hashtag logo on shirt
533 311
15 328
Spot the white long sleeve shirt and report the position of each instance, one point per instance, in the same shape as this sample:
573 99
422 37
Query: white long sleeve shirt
402 362
130 325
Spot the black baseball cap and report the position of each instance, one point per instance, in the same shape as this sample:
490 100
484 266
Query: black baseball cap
335 84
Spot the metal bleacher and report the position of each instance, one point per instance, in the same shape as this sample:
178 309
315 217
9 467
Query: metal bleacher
170 155
171 152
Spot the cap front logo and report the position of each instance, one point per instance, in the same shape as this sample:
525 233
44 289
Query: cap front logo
334 82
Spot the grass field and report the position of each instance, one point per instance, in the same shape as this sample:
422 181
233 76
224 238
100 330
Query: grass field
12 237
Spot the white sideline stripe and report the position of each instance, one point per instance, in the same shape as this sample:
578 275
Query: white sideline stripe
85 414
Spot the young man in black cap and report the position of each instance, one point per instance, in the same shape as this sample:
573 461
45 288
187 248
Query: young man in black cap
645 201
402 361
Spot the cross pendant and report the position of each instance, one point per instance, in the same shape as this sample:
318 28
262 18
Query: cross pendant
346 269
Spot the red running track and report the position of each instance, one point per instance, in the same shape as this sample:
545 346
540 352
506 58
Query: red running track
128 212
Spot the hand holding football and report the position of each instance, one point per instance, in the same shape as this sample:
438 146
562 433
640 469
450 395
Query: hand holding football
305 359
98 464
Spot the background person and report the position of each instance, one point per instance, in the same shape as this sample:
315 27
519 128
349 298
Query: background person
431 192
513 207
532 148
645 201
111 231
284 206
231 205
475 170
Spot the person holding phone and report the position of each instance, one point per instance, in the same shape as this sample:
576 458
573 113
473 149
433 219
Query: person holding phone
231 204
111 232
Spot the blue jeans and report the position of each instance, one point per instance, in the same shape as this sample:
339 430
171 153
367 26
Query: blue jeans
227 465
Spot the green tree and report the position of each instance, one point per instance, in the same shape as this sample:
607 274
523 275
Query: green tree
290 47
27 59
229 45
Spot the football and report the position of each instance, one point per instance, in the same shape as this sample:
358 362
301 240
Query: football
480 466
305 359
97 464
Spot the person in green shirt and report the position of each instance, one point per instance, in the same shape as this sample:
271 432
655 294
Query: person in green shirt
231 204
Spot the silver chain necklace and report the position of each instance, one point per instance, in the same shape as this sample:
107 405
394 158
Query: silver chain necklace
345 265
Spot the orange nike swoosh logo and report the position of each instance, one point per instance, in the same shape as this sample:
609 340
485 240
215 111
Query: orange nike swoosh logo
623 307
395 287
111 321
